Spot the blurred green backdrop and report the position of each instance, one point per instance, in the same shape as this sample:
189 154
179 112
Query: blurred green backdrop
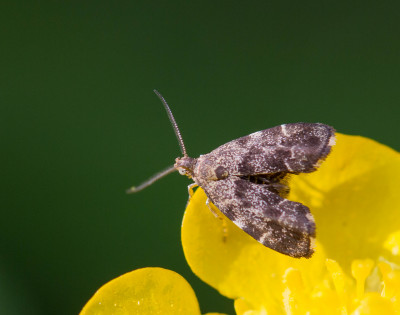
80 123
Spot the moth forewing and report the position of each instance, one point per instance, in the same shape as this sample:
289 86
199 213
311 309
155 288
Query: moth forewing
291 148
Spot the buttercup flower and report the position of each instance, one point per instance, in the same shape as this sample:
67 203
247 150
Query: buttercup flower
355 269
355 200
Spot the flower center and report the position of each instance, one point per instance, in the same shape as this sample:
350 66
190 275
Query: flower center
373 289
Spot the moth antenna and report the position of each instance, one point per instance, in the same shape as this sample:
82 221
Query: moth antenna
173 122
151 180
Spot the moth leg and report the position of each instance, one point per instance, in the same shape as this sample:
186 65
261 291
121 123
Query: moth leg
190 189
212 210
224 225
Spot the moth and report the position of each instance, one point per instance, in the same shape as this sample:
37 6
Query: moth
247 180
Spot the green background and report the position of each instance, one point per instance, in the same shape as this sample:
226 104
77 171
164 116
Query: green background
80 123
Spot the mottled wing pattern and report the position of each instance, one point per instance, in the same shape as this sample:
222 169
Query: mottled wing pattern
280 224
293 148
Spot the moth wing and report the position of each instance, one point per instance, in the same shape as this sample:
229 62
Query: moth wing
292 148
280 224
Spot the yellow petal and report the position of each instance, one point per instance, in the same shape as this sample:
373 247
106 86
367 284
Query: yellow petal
144 291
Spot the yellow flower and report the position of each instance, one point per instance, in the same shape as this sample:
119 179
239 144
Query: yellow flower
144 291
355 200
355 269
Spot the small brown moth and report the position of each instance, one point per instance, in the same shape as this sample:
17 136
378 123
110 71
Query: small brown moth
247 180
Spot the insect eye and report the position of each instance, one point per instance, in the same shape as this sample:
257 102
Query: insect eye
182 171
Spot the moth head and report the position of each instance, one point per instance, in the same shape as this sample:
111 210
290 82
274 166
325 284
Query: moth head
185 165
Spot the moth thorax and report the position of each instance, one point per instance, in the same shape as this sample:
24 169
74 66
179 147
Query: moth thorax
185 165
209 169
